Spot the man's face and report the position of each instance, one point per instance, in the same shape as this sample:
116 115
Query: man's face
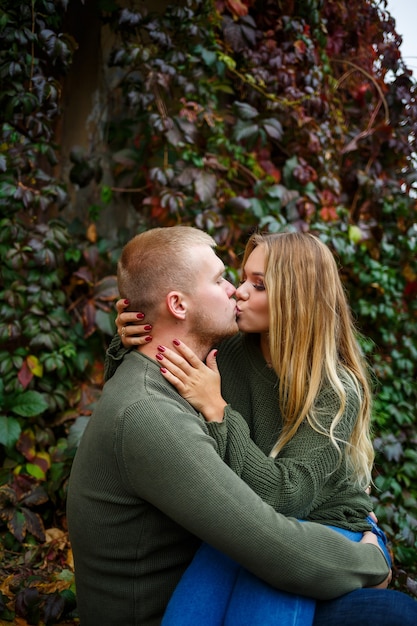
212 315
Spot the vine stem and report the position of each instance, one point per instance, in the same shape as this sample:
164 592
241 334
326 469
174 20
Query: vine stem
371 78
32 48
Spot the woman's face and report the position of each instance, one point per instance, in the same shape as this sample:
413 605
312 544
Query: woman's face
252 301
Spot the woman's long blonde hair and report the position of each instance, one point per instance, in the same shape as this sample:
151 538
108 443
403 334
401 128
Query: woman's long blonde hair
313 341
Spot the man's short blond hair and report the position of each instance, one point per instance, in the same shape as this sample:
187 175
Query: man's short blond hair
156 262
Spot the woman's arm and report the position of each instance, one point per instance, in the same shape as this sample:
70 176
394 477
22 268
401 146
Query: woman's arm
308 472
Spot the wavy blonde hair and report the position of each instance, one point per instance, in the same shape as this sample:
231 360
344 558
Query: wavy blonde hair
313 341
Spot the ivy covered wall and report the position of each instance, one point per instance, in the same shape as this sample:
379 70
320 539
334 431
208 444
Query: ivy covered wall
231 116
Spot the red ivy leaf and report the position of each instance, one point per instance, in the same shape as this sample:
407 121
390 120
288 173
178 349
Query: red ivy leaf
34 524
24 375
37 496
236 7
53 608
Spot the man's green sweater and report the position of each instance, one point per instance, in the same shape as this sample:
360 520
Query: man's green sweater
147 485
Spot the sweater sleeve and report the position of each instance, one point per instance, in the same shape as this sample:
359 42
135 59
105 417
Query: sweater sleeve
114 356
178 470
293 482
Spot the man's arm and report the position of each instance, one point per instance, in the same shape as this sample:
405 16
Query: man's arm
180 473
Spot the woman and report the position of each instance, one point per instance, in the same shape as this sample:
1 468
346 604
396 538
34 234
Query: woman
297 376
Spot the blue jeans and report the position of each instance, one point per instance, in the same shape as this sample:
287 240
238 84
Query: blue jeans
216 591
254 603
381 536
367 607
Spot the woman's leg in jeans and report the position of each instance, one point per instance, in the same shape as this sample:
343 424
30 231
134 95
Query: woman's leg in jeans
256 603
216 591
368 607
202 595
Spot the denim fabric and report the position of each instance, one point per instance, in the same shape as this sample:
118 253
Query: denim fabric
381 536
255 603
367 607
216 591
203 593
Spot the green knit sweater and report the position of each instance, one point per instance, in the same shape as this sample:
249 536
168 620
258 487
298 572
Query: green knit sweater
147 484
307 479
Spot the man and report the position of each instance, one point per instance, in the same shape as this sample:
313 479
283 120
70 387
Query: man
147 484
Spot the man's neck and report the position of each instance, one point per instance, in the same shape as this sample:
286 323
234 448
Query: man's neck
166 337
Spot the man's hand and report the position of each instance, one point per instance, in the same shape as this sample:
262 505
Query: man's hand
370 537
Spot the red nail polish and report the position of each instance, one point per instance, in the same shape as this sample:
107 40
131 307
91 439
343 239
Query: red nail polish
215 353
159 357
140 316
176 342
161 348
147 327
163 370
148 338
126 302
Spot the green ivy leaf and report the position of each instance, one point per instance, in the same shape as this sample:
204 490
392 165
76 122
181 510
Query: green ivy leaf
244 130
10 430
273 128
29 404
246 111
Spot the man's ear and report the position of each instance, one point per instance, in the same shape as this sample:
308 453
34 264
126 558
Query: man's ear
177 304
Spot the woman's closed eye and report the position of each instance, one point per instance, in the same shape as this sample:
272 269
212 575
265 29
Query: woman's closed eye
257 286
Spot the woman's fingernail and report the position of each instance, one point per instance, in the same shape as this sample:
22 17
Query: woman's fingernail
215 353
176 342
140 316
148 338
161 348
163 370
126 302
147 327
159 357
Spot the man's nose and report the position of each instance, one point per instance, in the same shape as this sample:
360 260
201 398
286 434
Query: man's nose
230 289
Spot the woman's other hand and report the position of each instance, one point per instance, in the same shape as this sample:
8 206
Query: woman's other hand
130 328
196 382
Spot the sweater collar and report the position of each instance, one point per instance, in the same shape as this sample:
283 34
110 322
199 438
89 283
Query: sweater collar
252 346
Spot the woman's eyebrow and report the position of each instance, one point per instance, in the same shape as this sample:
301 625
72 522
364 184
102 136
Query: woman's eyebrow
253 273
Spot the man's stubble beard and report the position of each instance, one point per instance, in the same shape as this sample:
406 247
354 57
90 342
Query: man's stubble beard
207 335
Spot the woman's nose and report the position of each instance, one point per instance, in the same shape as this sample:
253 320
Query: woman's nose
241 292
